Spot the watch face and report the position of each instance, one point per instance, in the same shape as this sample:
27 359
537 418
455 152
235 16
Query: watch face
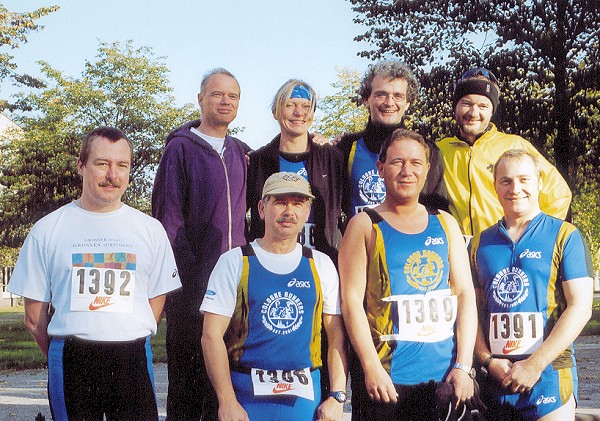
339 396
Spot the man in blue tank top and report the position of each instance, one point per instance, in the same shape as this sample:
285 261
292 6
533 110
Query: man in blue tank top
263 312
407 297
533 278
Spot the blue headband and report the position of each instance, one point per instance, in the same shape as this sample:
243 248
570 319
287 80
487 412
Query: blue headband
301 92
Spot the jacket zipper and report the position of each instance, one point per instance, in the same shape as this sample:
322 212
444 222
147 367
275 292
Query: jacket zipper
470 190
229 226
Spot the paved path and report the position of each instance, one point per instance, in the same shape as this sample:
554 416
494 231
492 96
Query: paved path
23 393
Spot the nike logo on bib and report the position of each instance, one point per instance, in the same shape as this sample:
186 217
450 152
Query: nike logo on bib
511 346
99 302
282 387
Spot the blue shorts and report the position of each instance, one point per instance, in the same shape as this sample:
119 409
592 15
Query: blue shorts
553 390
275 408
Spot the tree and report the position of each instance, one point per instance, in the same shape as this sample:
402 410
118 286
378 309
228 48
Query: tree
125 87
586 215
546 54
14 28
342 111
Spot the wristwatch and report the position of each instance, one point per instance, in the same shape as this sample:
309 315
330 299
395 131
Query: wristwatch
469 370
339 396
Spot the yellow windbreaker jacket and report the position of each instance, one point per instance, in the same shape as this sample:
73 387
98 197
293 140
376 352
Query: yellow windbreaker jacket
468 176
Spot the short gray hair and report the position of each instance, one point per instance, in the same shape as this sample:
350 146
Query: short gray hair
211 73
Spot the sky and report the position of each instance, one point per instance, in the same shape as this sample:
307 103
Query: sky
262 42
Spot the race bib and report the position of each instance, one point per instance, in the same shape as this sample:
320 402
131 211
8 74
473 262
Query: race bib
102 289
283 382
515 333
426 317
306 237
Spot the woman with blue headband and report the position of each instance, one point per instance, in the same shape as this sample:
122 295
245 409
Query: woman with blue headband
293 150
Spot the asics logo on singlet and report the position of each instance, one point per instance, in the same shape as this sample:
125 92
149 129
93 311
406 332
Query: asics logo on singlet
434 241
531 254
543 399
298 284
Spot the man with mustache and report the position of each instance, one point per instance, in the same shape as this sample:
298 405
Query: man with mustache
105 269
264 310
468 157
534 284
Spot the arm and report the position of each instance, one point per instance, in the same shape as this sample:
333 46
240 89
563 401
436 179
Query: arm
331 409
217 366
353 260
466 318
168 202
555 195
157 304
36 320
498 368
579 297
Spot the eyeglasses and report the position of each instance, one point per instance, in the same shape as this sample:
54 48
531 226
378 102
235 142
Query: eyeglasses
479 71
384 96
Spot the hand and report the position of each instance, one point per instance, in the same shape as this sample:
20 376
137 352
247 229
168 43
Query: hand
330 410
232 411
463 385
500 369
379 385
319 139
475 402
523 376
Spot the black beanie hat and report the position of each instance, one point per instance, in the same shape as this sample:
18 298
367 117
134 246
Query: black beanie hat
477 86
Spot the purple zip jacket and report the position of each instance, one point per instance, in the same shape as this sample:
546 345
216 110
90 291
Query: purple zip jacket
199 197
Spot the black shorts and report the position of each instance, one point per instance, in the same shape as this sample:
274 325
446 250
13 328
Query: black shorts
90 379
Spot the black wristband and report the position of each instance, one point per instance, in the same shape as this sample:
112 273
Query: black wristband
487 361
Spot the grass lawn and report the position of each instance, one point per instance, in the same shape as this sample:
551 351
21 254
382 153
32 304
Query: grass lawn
19 351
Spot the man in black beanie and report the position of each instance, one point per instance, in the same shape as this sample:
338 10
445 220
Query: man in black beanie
468 157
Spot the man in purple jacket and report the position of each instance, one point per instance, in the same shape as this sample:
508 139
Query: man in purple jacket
200 198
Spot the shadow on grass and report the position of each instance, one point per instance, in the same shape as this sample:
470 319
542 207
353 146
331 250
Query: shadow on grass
18 350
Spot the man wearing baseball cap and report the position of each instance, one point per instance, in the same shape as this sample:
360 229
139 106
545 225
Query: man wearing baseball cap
263 312
469 157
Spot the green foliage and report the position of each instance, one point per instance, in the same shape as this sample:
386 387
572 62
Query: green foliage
124 87
343 111
593 326
545 53
586 215
14 28
8 256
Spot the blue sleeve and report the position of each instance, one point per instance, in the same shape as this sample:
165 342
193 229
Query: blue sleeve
576 260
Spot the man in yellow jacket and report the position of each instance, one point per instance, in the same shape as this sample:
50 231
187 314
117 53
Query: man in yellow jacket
469 158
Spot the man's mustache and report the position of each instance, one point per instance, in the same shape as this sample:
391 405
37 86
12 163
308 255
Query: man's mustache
108 183
289 219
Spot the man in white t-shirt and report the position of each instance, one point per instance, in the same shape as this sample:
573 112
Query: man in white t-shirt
105 269
263 311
